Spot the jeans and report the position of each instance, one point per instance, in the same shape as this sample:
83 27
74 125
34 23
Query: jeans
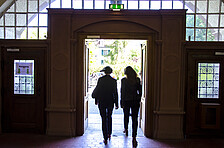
134 106
106 116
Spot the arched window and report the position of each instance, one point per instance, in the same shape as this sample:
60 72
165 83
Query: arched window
27 19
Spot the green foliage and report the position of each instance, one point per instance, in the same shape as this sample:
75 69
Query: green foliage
200 33
121 55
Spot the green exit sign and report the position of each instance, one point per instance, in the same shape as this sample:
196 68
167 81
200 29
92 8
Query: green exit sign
116 6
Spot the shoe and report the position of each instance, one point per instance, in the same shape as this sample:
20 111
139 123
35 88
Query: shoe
126 132
134 142
105 142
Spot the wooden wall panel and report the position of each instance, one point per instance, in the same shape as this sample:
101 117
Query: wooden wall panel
66 31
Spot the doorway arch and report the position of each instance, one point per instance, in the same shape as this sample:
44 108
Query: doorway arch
146 108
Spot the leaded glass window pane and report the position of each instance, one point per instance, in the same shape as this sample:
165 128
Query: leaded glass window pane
167 4
190 20
1 32
190 32
23 33
20 19
178 4
200 35
201 20
10 32
201 6
42 32
155 4
32 33
99 4
221 35
213 6
20 32
109 2
212 35
190 6
32 19
9 19
222 20
56 4
208 80
2 21
11 9
213 20
32 5
144 5
77 4
66 4
222 7
23 76
88 4
43 5
43 20
21 6
132 4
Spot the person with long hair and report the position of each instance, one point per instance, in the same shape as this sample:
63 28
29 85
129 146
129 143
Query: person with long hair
131 92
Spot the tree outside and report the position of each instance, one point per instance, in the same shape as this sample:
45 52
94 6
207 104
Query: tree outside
119 54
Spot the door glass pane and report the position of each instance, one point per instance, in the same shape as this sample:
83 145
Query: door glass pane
208 80
23 76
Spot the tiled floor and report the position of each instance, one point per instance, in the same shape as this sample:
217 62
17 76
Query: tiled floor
93 139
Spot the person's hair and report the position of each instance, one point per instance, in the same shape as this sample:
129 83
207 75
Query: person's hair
131 74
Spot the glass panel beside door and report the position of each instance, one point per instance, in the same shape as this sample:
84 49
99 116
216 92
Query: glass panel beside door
24 77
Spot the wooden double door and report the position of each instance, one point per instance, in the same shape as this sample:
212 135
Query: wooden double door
23 77
205 93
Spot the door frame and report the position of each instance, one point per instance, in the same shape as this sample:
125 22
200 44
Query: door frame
200 52
150 81
19 44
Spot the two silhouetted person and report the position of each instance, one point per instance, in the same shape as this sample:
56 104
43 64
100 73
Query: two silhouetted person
106 96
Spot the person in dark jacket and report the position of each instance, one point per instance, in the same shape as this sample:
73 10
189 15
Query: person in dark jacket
131 92
106 96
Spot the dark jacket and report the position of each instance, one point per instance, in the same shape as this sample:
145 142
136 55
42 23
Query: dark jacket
106 91
130 92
